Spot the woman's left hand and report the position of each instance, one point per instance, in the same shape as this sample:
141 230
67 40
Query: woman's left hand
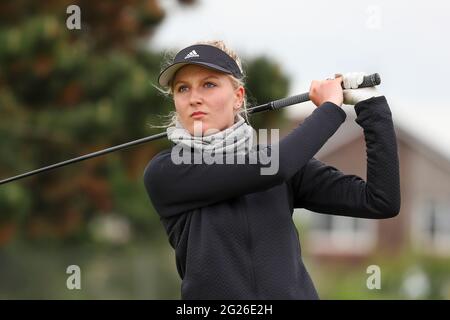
353 94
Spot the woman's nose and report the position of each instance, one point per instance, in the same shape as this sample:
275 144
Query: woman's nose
195 97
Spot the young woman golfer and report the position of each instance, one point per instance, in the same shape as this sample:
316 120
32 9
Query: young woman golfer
230 225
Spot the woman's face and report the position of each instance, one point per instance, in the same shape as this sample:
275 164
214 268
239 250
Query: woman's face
205 99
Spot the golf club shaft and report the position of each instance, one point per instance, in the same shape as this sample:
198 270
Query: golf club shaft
369 81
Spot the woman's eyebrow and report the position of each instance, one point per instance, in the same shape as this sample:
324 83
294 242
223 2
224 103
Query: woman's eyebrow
178 81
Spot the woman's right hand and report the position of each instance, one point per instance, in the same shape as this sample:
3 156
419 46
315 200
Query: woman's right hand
326 90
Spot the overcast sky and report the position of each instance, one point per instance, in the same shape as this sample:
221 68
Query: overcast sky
405 41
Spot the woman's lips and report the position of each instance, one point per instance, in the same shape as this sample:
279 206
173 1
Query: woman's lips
198 115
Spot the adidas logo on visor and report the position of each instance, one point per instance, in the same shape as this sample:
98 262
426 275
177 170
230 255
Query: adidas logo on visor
191 54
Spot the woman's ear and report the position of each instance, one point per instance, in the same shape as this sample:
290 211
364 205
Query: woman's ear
240 93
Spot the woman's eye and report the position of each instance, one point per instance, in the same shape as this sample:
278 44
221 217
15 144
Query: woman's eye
210 85
182 88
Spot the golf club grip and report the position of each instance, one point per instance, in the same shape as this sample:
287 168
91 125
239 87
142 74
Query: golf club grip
278 104
370 80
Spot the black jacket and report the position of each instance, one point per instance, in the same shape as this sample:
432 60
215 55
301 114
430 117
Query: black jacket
232 227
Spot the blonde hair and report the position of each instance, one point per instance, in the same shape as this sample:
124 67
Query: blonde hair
172 117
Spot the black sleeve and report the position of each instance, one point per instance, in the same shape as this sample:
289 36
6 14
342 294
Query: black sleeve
174 188
322 188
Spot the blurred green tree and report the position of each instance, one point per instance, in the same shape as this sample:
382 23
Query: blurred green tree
65 93
265 82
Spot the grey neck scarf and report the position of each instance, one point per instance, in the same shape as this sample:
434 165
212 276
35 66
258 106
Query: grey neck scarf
237 139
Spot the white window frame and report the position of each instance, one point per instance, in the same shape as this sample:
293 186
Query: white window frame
342 239
422 239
